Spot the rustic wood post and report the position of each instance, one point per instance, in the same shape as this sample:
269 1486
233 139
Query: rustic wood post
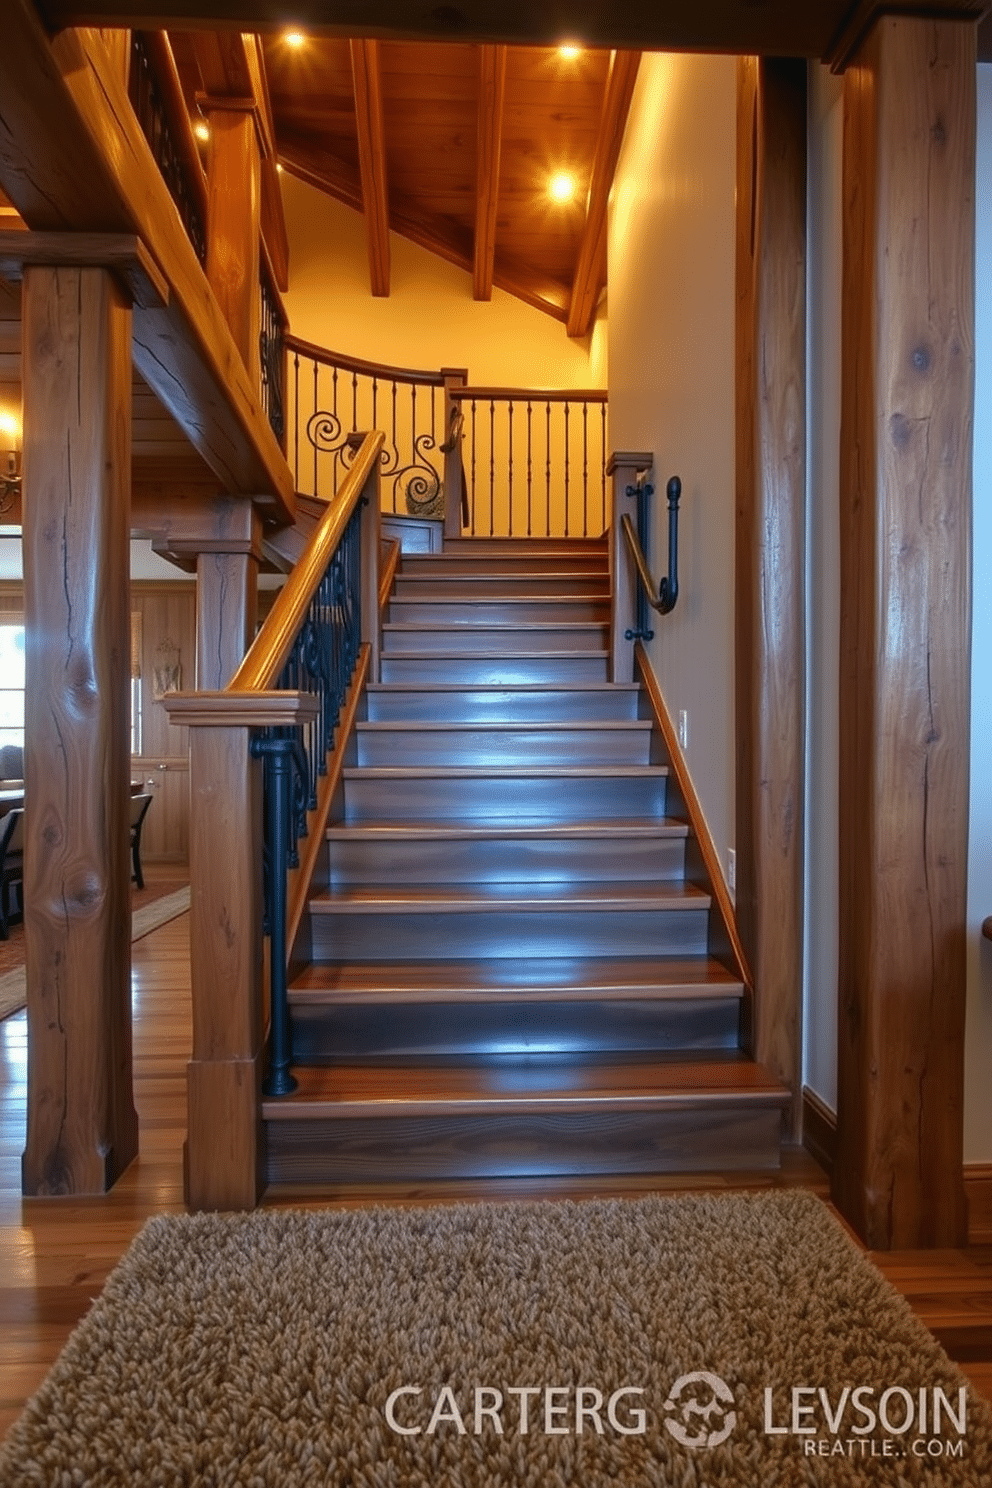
906 495
454 476
234 207
82 1126
623 466
771 552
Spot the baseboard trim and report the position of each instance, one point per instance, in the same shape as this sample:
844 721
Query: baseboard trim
820 1141
819 1130
978 1189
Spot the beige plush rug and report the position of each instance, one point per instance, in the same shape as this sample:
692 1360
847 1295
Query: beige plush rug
686 1341
144 919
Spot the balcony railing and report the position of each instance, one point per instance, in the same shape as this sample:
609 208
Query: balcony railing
156 97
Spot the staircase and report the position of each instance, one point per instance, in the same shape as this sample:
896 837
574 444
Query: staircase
504 969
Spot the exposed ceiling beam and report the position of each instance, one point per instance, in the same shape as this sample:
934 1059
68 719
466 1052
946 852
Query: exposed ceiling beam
489 135
231 65
437 234
372 159
590 268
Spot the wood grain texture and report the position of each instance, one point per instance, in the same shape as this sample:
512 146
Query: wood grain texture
82 1126
770 551
906 493
590 270
226 614
489 135
372 159
234 227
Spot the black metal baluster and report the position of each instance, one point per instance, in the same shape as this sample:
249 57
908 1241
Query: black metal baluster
509 465
276 752
547 450
296 419
602 464
585 469
529 467
473 468
567 512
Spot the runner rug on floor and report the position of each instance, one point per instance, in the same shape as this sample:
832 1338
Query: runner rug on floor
692 1340
144 920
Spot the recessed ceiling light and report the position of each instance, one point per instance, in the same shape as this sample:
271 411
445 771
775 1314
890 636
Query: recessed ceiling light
569 51
201 130
561 187
294 38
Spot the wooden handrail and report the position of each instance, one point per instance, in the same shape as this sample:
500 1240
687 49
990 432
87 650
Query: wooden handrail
536 395
356 364
271 647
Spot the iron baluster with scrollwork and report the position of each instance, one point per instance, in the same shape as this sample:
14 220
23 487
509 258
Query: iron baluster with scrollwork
272 358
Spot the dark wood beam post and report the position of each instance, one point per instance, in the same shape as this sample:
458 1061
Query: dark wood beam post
372 159
82 1127
489 138
906 493
770 543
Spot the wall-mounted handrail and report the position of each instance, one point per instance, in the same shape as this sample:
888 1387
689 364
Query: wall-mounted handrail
661 597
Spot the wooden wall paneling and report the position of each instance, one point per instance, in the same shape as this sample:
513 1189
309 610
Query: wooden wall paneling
82 1126
169 622
489 129
372 159
590 270
906 494
770 552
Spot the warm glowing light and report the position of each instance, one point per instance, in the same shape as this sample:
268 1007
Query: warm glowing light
202 130
561 188
294 38
10 426
279 166
569 52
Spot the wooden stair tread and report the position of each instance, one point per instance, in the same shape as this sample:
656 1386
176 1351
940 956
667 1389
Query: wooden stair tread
525 726
525 1085
495 688
404 831
621 894
508 772
510 600
500 656
551 979
523 627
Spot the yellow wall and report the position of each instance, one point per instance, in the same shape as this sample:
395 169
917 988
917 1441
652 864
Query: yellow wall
429 319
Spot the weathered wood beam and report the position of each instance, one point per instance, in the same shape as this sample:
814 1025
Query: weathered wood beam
82 1129
905 533
590 268
73 158
859 20
489 135
234 179
770 552
371 128
328 173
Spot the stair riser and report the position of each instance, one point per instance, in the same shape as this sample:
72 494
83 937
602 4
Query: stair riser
361 861
565 548
323 1035
506 639
482 612
503 565
493 587
488 1146
357 936
478 799
507 747
486 671
510 705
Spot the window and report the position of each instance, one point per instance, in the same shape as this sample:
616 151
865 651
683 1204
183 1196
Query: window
11 684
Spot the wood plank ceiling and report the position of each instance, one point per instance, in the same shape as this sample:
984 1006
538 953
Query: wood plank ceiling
454 145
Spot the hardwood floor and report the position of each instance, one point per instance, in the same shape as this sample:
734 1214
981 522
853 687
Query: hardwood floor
56 1254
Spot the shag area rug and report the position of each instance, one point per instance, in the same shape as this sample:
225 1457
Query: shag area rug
144 920
686 1341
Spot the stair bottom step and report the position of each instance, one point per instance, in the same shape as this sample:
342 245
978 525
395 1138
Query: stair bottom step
524 1118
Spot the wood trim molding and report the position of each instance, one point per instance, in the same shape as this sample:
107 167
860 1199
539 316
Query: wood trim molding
489 136
123 254
708 869
819 1130
590 270
371 128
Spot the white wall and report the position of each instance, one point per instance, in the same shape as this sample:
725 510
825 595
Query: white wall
826 143
671 361
978 1038
429 319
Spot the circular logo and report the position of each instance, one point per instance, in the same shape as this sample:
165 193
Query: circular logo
696 1410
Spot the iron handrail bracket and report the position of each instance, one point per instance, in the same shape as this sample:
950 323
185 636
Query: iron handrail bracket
663 596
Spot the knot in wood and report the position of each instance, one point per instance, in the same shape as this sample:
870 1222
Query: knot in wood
921 359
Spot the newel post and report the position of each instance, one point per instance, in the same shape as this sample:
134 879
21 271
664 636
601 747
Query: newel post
454 479
623 467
